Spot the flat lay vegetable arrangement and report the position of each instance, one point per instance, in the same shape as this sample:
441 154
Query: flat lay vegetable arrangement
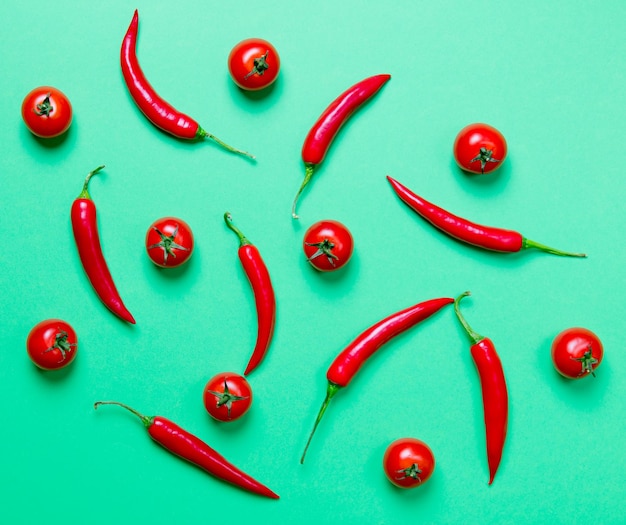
332 251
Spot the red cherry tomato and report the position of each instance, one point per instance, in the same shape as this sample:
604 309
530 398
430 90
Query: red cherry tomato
408 462
479 148
169 242
253 64
328 245
576 353
52 344
227 396
47 112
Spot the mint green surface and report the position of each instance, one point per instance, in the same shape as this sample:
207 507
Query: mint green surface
550 75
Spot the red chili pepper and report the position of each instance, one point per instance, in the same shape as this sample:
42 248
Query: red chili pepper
351 359
259 278
158 111
323 132
487 237
493 385
191 448
85 227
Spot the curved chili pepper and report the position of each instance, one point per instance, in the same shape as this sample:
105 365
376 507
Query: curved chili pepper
85 228
487 237
323 132
493 386
191 448
162 114
259 278
351 359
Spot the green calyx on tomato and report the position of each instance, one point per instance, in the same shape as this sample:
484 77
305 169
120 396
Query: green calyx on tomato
484 156
325 248
412 472
260 65
167 244
226 398
587 362
44 107
61 344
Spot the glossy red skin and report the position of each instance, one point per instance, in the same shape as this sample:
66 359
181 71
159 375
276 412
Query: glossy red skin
570 345
85 228
162 114
237 386
265 301
184 237
191 448
495 400
56 122
467 146
487 237
334 232
325 129
40 344
404 453
241 63
351 359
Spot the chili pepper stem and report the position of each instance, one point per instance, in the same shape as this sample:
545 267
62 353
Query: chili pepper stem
84 194
147 421
308 173
228 219
331 390
475 337
527 243
202 133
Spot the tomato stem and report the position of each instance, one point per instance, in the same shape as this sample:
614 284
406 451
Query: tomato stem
243 240
475 337
202 133
331 390
527 243
147 421
308 173
84 194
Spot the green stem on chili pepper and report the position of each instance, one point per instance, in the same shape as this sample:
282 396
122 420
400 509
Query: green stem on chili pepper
331 390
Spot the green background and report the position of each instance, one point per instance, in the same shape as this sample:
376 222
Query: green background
549 75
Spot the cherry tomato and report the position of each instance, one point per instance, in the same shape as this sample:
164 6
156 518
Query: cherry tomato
227 396
576 353
169 242
253 64
328 245
408 462
479 148
52 344
47 112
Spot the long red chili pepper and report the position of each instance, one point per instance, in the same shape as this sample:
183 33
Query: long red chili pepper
351 359
493 385
487 237
321 135
85 227
191 448
162 114
259 278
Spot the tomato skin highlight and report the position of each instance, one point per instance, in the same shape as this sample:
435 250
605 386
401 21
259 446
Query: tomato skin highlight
254 64
169 242
227 396
576 353
479 148
52 344
47 112
408 462
328 245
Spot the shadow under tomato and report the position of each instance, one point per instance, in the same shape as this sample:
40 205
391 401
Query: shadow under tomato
55 376
258 94
53 142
